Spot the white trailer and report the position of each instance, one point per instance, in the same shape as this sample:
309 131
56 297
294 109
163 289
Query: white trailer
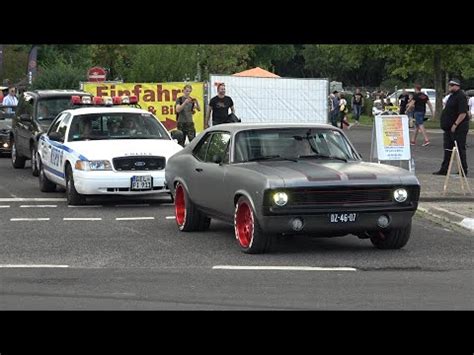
279 100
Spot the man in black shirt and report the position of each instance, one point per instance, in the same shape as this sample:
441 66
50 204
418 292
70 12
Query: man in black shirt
403 98
455 124
357 104
219 105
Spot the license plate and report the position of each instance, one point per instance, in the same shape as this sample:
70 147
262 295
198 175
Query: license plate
342 217
142 182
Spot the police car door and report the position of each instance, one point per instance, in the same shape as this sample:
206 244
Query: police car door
52 149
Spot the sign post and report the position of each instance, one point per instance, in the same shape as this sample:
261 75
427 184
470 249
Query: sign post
391 139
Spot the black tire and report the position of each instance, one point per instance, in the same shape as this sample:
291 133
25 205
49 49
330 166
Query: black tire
34 161
391 239
18 161
171 197
45 184
188 217
250 238
73 197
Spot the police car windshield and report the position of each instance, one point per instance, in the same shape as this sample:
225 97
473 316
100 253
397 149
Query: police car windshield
49 108
107 126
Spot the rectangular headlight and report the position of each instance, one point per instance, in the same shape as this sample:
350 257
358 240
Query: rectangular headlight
93 165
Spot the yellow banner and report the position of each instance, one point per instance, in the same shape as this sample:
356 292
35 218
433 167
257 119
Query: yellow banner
157 98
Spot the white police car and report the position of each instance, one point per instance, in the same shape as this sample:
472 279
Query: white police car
104 151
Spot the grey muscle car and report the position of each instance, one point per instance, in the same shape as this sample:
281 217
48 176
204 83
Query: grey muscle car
271 179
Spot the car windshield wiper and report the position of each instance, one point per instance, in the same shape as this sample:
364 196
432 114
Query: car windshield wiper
272 157
322 156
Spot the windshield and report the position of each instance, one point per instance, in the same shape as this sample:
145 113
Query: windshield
49 108
116 126
292 143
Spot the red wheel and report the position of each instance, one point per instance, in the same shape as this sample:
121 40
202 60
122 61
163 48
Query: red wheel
251 238
244 225
187 215
180 206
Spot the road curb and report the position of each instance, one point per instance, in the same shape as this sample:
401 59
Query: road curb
449 217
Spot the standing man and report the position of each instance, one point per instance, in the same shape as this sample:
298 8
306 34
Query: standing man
420 101
403 102
334 113
357 104
185 106
455 124
10 99
219 105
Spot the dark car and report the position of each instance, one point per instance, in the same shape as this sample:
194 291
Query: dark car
289 179
6 115
34 113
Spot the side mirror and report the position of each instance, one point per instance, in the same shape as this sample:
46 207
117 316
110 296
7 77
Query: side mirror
177 136
55 136
217 159
24 117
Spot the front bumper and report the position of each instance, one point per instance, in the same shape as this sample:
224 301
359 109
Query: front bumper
320 224
117 183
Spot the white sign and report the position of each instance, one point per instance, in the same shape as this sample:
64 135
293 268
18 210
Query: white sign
275 100
392 136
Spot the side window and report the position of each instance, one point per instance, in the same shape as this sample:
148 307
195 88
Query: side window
55 125
218 146
201 149
25 106
63 125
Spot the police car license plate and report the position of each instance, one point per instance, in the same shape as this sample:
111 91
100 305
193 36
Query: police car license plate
342 217
142 182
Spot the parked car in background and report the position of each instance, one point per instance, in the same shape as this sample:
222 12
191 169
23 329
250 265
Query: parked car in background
5 129
34 114
377 108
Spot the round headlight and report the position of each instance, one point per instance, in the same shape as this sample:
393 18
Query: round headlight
400 195
280 198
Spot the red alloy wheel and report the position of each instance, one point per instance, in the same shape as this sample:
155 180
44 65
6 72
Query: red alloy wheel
244 224
180 206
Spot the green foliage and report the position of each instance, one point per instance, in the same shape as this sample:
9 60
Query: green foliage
59 75
15 60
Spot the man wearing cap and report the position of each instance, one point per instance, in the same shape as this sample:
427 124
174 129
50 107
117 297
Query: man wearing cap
455 124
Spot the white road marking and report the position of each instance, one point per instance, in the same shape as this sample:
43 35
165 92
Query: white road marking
139 205
170 217
81 219
285 268
28 219
32 266
5 206
132 218
85 206
38 206
34 199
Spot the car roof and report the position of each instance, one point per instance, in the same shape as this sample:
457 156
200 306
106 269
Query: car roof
55 93
109 109
237 127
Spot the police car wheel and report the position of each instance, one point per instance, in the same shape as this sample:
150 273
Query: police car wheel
45 184
73 197
34 162
18 161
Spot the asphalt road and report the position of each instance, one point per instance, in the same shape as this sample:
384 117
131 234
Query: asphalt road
111 263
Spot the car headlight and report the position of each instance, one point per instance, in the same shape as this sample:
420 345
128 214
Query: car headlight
400 195
5 145
280 198
93 165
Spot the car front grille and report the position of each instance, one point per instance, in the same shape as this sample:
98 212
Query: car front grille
139 163
334 197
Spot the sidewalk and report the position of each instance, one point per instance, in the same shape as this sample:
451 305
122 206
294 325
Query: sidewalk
454 208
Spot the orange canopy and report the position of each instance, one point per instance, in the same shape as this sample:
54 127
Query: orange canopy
257 72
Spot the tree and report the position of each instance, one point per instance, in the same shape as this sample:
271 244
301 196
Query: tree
430 63
59 75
